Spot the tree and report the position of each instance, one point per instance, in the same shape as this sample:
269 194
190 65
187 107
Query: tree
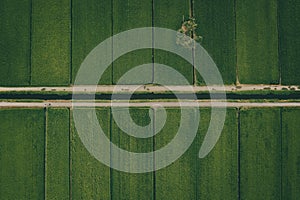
186 35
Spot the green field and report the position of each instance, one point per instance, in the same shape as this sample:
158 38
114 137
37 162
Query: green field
260 153
257 41
125 18
57 169
216 21
214 177
256 155
289 42
44 43
90 179
290 153
217 174
175 180
169 14
50 52
22 153
14 43
91 24
125 185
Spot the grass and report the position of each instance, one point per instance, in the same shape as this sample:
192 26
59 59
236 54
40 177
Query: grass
290 153
260 153
169 14
90 178
51 43
14 43
57 151
216 23
91 24
125 185
289 41
257 42
130 14
22 153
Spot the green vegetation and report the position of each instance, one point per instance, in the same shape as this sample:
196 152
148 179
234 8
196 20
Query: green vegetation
57 151
14 43
128 62
189 177
51 42
168 14
217 174
44 43
130 14
91 24
260 153
33 166
125 185
141 117
257 41
22 153
289 41
90 178
187 33
290 153
216 21
178 180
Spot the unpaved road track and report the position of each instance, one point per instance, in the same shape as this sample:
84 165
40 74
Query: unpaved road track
146 88
146 104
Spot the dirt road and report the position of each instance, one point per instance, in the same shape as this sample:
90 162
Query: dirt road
150 88
146 104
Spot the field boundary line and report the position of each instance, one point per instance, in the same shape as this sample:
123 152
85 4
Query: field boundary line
278 43
237 81
112 40
30 43
153 38
70 154
71 43
281 152
46 109
154 158
239 152
110 155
